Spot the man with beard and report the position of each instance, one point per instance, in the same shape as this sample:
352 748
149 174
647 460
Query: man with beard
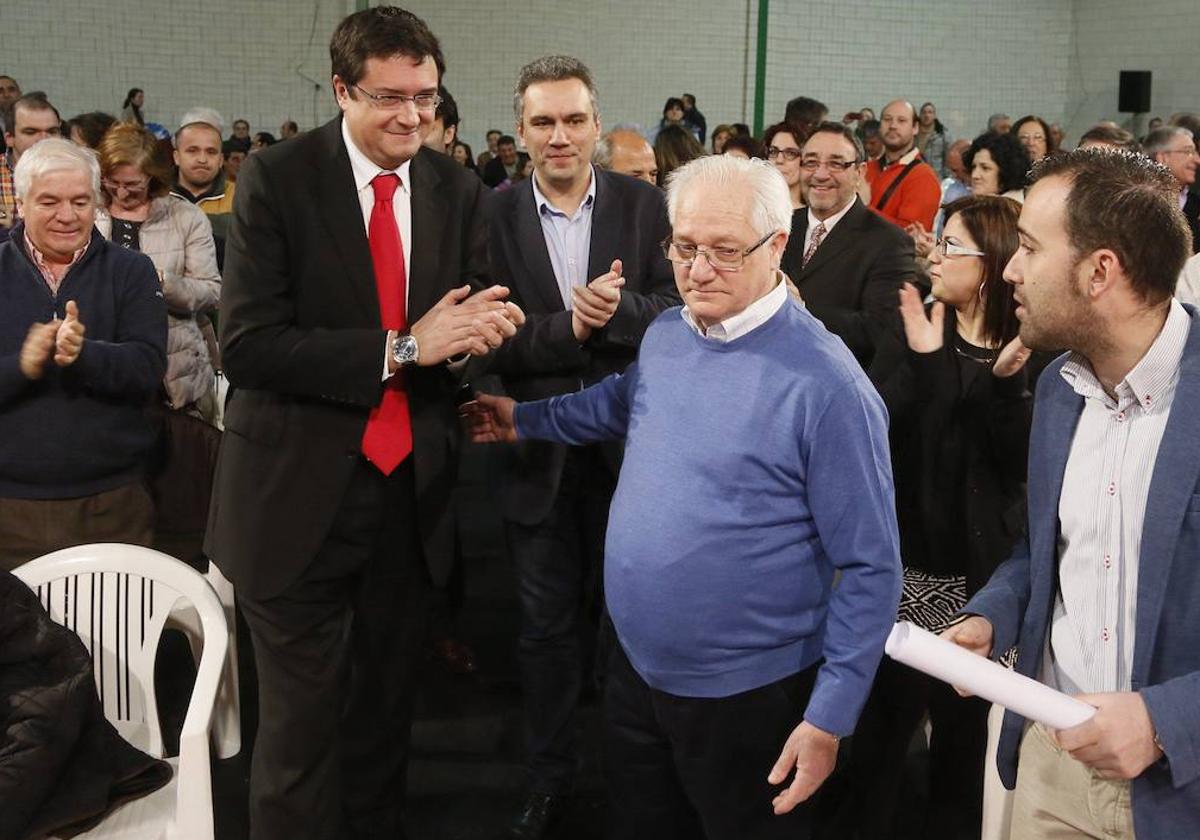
1099 597
904 188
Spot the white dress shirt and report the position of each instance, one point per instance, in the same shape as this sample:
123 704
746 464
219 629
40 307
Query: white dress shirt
364 173
1101 513
750 318
813 221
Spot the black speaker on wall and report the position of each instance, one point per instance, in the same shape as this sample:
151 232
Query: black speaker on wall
1134 96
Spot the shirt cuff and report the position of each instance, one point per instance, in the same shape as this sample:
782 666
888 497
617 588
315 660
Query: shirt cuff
387 352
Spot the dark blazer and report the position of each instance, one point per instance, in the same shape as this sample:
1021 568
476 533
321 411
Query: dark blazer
303 349
1019 598
629 220
494 174
852 284
1191 211
960 440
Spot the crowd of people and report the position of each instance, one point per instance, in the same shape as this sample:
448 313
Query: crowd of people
756 401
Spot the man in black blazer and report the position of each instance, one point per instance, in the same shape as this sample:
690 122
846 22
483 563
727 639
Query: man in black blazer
332 553
848 263
580 249
507 163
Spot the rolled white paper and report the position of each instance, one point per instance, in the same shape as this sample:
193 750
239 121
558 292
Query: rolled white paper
929 654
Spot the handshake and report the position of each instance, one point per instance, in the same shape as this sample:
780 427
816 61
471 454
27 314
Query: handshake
61 340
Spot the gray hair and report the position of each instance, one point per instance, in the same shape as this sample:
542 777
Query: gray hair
1159 140
771 201
995 118
55 154
553 68
602 154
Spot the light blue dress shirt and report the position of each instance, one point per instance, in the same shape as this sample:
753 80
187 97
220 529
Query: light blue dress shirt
568 239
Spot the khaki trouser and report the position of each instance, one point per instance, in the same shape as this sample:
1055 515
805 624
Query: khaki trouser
30 528
1058 798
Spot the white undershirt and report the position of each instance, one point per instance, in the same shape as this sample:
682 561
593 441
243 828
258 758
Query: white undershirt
813 221
750 318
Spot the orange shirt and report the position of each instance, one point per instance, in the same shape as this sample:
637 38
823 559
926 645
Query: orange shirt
917 197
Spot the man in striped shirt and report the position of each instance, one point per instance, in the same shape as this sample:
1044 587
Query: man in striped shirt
1099 599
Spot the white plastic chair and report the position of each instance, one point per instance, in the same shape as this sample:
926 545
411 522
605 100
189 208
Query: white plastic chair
117 599
227 716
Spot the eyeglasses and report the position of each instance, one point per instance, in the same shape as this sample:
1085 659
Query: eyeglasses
790 155
1190 152
1032 138
396 101
946 248
725 259
835 166
131 189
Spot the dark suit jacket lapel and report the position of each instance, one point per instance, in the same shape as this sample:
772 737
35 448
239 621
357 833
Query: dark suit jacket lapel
606 228
540 282
429 209
342 214
1172 483
836 241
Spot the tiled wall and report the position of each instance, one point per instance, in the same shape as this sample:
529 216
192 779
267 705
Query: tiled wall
1058 58
243 58
1155 35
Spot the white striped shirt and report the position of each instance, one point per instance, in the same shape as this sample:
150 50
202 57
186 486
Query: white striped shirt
1101 513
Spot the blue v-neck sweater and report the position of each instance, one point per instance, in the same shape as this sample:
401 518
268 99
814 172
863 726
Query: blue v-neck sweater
753 469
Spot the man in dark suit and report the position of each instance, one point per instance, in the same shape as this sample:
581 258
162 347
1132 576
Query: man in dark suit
506 165
350 258
1175 148
847 262
548 237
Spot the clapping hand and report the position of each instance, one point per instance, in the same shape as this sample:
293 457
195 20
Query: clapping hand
924 334
464 323
1012 358
38 348
489 419
68 340
923 241
593 305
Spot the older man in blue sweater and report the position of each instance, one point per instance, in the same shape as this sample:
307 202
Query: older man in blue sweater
756 466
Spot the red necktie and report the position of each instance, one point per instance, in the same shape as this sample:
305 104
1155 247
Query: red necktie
388 437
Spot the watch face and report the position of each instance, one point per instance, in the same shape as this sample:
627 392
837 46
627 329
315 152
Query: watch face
405 350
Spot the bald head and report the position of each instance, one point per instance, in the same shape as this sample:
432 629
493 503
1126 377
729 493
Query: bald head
954 160
898 128
624 150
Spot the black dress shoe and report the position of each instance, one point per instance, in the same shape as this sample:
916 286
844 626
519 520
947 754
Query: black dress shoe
540 814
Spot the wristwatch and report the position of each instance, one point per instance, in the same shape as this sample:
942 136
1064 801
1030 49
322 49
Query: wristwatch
405 351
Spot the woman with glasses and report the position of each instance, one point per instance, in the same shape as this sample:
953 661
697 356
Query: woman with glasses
783 142
957 396
1034 134
142 215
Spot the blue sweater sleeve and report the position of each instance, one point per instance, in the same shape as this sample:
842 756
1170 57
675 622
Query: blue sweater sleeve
135 361
597 413
850 494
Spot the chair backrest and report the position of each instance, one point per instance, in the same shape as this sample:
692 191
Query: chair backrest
117 598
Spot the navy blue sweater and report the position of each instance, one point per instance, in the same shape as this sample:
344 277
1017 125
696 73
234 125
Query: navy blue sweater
753 470
82 429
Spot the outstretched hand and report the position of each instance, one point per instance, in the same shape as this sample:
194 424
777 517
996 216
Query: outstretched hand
489 419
